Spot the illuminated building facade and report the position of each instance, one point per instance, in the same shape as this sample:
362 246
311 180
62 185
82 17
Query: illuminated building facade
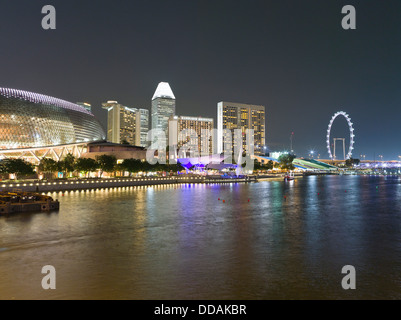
241 116
163 107
125 124
142 120
32 120
201 139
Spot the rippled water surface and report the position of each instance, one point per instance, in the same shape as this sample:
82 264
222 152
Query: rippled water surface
289 241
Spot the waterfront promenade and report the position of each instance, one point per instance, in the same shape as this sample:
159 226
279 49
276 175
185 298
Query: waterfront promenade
57 185
84 184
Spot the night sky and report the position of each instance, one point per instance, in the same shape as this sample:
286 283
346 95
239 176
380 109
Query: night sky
291 56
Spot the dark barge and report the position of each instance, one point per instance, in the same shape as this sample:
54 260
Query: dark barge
13 202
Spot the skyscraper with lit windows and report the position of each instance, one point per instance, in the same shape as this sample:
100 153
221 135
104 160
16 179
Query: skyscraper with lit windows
142 125
163 107
241 116
194 132
126 124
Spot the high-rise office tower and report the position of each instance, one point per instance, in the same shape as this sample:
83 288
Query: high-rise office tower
121 123
241 116
126 124
200 140
163 107
142 127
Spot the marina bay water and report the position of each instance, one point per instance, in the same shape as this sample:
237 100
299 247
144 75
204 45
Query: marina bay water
289 241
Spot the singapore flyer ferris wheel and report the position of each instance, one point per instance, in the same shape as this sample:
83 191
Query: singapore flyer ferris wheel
351 133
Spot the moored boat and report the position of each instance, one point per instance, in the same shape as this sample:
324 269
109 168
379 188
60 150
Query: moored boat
289 176
11 202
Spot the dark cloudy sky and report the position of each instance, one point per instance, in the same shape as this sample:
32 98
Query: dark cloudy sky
291 56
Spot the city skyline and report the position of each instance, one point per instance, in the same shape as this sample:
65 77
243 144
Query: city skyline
303 72
137 135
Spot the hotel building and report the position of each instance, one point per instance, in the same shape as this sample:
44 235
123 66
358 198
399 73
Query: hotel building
241 116
126 124
194 132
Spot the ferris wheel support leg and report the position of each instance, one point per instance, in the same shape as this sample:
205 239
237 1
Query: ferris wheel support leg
345 156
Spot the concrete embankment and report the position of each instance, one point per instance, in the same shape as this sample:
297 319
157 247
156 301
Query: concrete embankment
66 185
